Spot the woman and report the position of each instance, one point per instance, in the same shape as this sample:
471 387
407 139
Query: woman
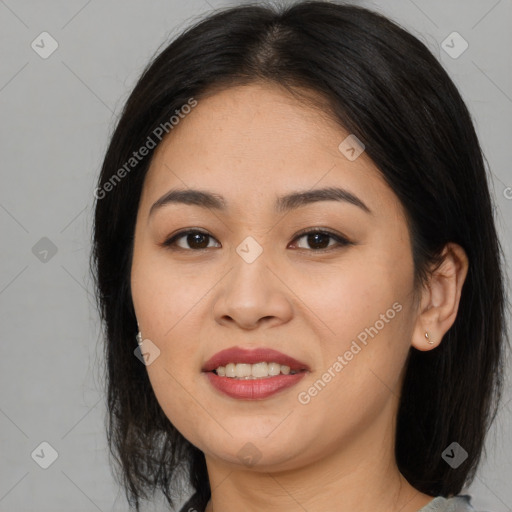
293 220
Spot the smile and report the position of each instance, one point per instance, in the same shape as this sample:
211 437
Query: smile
252 374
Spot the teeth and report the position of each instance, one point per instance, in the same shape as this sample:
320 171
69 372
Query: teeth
253 371
259 370
274 369
242 370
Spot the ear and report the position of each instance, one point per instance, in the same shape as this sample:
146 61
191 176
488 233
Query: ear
440 298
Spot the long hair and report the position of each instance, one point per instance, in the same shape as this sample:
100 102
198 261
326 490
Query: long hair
383 85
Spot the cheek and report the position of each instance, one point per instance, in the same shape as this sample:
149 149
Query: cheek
167 318
348 298
165 293
167 301
365 314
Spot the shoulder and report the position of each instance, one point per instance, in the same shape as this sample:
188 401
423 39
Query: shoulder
459 503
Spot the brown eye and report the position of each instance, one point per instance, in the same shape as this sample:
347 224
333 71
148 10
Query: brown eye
318 240
195 239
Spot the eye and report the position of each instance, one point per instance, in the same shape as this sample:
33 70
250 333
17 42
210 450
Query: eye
198 240
319 239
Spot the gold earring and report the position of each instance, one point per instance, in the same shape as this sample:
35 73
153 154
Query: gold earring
430 342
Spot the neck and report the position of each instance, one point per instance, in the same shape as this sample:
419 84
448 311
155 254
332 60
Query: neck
362 475
275 493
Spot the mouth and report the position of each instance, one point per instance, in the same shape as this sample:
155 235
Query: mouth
259 362
253 374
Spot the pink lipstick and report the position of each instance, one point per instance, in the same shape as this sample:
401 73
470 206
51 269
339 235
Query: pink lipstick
274 372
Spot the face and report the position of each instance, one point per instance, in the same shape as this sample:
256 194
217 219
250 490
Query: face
251 275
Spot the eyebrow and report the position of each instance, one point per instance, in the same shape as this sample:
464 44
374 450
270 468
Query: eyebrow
292 201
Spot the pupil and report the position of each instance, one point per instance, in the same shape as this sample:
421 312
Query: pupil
195 236
313 239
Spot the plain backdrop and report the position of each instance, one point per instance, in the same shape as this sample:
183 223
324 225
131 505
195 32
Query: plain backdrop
56 116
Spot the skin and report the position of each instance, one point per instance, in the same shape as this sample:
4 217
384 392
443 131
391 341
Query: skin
251 144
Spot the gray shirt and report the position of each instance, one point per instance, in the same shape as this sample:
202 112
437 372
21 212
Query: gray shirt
460 503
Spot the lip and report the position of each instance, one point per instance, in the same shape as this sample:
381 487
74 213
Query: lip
253 389
252 356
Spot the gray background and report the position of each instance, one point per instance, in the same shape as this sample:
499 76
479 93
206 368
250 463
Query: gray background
56 116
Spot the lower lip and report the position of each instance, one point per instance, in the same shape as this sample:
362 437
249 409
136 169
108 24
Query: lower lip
253 389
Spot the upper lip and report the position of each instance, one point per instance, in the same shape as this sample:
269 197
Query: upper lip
252 356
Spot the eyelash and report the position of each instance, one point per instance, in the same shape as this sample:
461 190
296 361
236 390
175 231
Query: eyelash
170 243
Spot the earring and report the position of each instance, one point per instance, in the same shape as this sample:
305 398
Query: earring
139 338
430 342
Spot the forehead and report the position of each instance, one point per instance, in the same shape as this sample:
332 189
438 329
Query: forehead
260 140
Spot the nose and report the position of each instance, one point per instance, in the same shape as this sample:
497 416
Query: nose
252 294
